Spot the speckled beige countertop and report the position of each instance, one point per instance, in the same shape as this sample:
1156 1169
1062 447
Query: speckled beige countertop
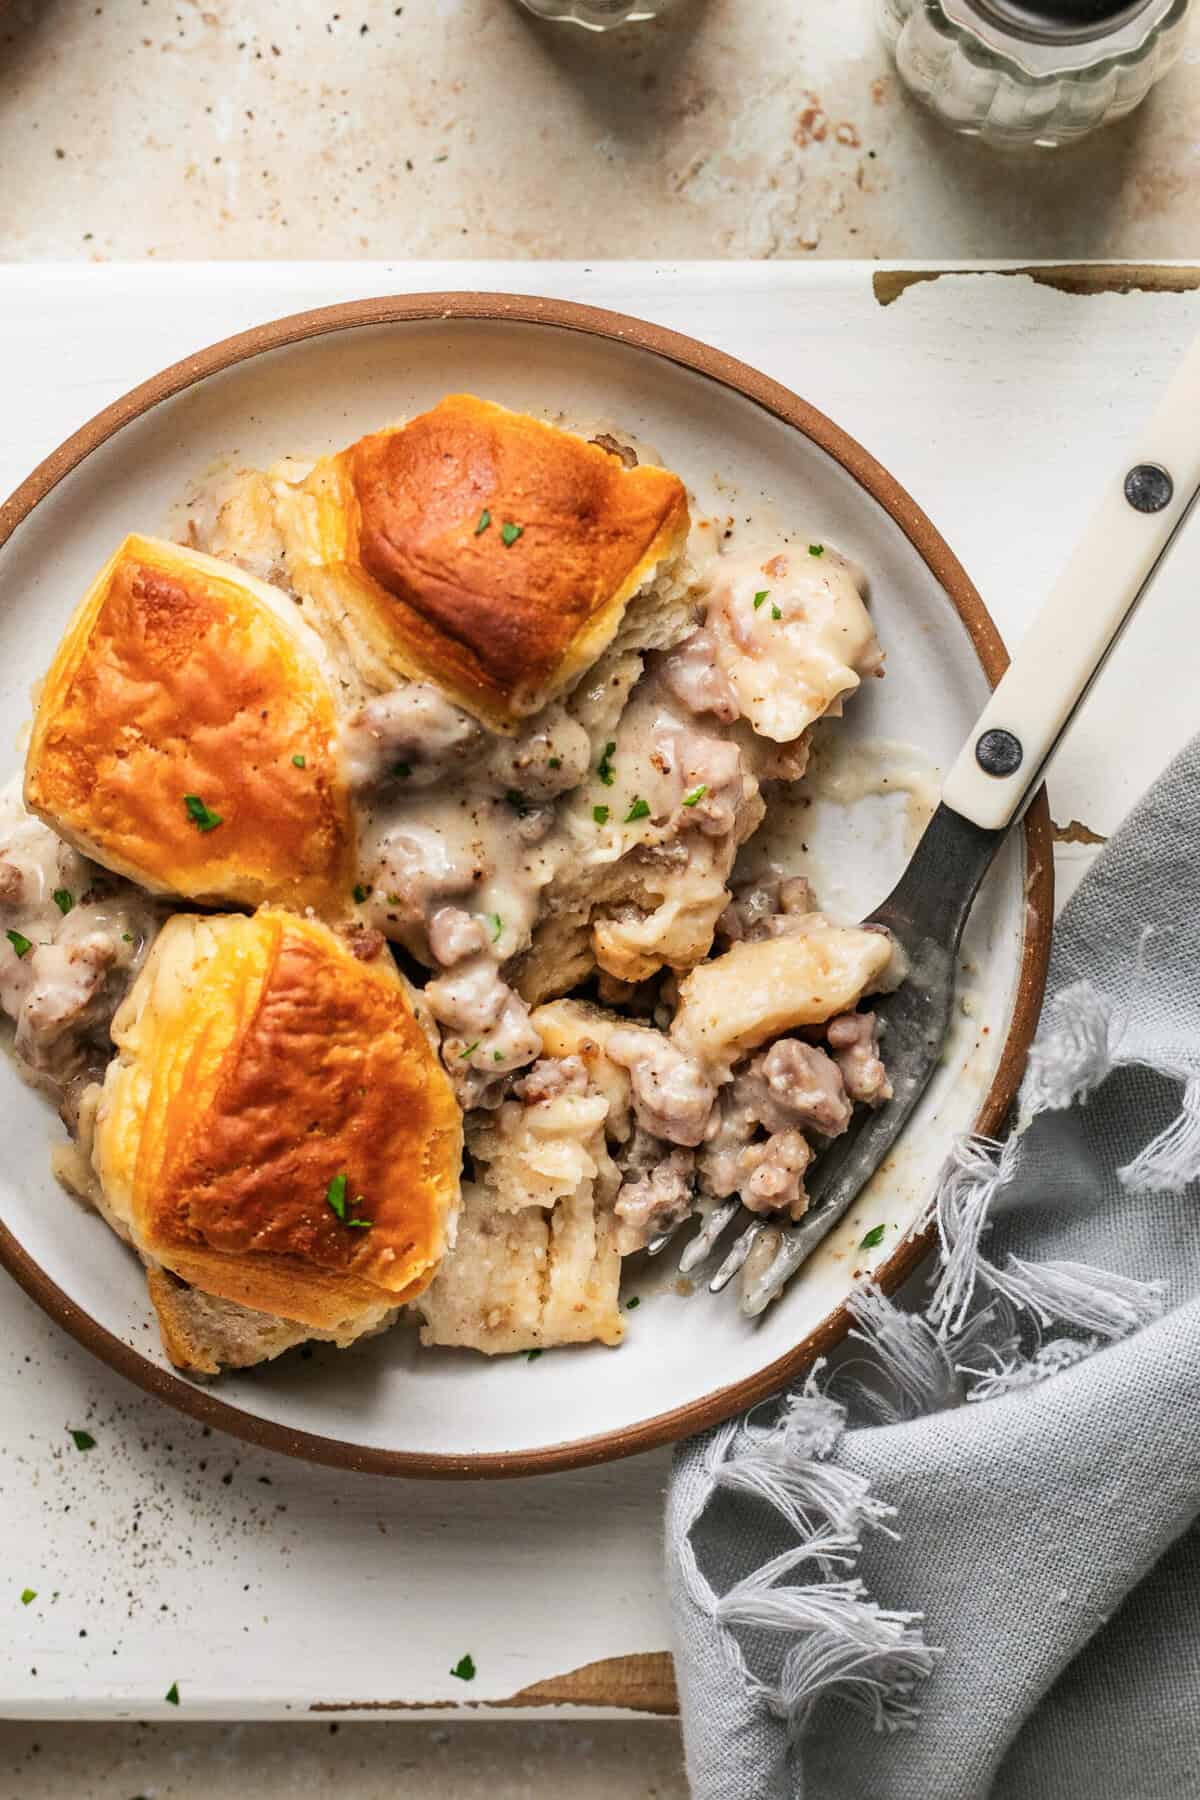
173 129
347 128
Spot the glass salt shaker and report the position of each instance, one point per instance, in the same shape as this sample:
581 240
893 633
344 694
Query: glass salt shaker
596 15
1018 73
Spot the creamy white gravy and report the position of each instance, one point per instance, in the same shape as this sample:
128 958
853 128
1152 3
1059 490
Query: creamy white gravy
847 770
73 939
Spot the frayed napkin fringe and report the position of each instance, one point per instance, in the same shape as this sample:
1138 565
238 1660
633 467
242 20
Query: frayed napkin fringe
1078 1046
1172 1159
1075 1295
871 1656
1080 1042
961 1351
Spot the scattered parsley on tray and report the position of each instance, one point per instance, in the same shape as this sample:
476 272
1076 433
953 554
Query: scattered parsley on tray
485 519
172 1694
300 762
600 814
694 798
873 1237
464 1668
28 1595
760 597
83 1439
639 810
20 943
604 768
64 899
816 549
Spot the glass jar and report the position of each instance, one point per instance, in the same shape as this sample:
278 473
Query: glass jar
596 15
1019 73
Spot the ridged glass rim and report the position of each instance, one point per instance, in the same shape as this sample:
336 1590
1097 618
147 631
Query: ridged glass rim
1055 56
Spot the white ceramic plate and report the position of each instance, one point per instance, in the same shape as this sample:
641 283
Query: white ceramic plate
312 384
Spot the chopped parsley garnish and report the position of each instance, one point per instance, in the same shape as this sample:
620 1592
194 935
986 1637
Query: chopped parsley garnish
532 1355
83 1439
485 519
128 936
635 1300
695 797
760 597
510 533
28 1595
775 613
639 810
393 900
202 817
172 1695
497 925
403 770
555 762
64 899
600 814
518 802
470 1050
816 549
335 1199
604 767
360 892
21 944
464 1668
497 1056
300 762
873 1237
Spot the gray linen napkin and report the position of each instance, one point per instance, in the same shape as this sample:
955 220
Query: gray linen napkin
1016 1580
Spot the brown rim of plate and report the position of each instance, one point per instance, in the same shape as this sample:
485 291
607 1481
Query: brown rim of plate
716 366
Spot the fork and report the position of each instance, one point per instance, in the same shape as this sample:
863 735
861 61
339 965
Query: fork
988 788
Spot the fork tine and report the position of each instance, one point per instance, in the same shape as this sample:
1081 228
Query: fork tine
701 1245
656 1245
767 1284
797 1244
738 1252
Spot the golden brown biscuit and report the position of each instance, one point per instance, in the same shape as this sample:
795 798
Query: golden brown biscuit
481 549
186 736
272 1093
205 1335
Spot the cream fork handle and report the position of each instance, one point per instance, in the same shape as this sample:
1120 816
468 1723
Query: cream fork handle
1063 651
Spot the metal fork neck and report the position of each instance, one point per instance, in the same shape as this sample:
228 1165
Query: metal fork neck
934 894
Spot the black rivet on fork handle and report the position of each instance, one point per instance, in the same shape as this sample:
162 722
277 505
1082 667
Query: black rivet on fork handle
999 753
1148 488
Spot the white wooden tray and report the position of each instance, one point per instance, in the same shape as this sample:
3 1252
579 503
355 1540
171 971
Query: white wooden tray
264 1588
